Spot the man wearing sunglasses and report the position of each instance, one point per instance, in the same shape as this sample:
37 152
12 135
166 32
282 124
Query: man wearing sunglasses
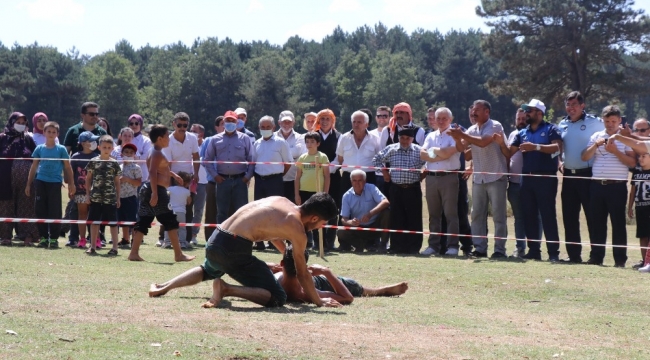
183 152
576 129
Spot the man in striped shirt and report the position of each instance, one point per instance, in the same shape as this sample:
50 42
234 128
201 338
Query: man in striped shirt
405 191
612 160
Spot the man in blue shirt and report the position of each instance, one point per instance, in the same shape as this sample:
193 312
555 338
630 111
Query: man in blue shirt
576 129
540 143
363 206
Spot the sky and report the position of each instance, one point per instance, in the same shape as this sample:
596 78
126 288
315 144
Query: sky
94 27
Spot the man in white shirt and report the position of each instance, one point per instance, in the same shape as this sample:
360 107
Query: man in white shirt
357 148
612 160
296 148
183 153
442 155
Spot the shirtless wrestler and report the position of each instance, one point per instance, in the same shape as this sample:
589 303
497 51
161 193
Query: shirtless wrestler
229 251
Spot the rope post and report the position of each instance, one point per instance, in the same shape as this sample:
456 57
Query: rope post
321 248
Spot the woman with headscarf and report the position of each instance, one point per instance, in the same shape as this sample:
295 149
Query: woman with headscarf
38 120
16 143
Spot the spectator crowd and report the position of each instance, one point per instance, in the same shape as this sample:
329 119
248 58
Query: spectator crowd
376 178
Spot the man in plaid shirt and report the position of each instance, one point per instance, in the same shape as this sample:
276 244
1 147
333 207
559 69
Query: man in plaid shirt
405 191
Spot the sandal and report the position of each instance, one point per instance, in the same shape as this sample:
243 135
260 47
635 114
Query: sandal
6 242
112 252
91 251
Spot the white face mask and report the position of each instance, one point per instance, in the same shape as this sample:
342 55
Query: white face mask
128 158
20 127
266 133
93 146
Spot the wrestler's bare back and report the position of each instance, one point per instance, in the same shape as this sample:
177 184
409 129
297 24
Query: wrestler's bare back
271 218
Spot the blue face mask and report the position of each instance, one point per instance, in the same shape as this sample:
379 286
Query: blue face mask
230 127
240 124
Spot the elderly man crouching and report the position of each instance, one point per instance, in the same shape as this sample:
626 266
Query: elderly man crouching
363 206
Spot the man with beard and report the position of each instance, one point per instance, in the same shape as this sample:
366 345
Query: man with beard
540 143
576 129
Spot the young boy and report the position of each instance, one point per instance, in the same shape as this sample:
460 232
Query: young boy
640 197
103 192
130 180
154 199
47 186
79 161
308 166
180 197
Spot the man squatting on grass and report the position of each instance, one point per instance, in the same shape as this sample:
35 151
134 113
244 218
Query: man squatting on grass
230 251
328 285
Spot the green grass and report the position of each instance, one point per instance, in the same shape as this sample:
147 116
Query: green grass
64 304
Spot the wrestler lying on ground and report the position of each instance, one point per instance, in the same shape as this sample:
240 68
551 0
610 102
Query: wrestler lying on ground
328 285
229 251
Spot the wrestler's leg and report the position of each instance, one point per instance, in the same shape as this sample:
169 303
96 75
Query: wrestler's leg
220 290
190 277
176 245
391 290
135 247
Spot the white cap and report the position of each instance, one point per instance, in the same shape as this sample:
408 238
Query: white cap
287 115
240 111
534 103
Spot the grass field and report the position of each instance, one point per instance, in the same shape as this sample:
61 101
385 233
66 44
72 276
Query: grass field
63 304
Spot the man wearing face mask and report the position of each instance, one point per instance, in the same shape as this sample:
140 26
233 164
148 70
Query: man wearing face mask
540 143
296 148
232 179
268 177
241 122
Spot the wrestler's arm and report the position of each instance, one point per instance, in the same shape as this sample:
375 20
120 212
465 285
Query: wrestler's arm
275 268
279 244
341 293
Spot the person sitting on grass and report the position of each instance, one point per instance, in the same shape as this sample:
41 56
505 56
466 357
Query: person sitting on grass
130 180
154 199
179 198
230 251
79 161
103 193
47 186
328 285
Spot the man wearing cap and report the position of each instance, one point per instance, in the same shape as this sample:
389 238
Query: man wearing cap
296 148
210 189
232 179
268 177
489 188
612 160
402 117
405 191
540 143
576 130
241 122
357 148
442 155
183 153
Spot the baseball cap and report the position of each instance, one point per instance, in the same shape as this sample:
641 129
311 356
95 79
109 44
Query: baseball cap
130 146
230 114
239 111
287 115
87 136
534 103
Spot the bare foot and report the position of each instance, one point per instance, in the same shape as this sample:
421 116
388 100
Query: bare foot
184 257
399 289
156 290
135 258
391 290
217 294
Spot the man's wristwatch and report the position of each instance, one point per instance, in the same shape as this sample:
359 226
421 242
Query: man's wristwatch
538 147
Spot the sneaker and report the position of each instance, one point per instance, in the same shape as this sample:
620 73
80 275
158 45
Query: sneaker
553 258
167 245
185 245
53 244
593 261
645 269
619 264
518 253
531 256
98 243
429 251
477 254
571 260
638 265
452 252
43 243
194 241
82 243
71 243
124 243
160 242
498 255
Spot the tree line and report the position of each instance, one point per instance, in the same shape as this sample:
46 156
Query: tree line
542 54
